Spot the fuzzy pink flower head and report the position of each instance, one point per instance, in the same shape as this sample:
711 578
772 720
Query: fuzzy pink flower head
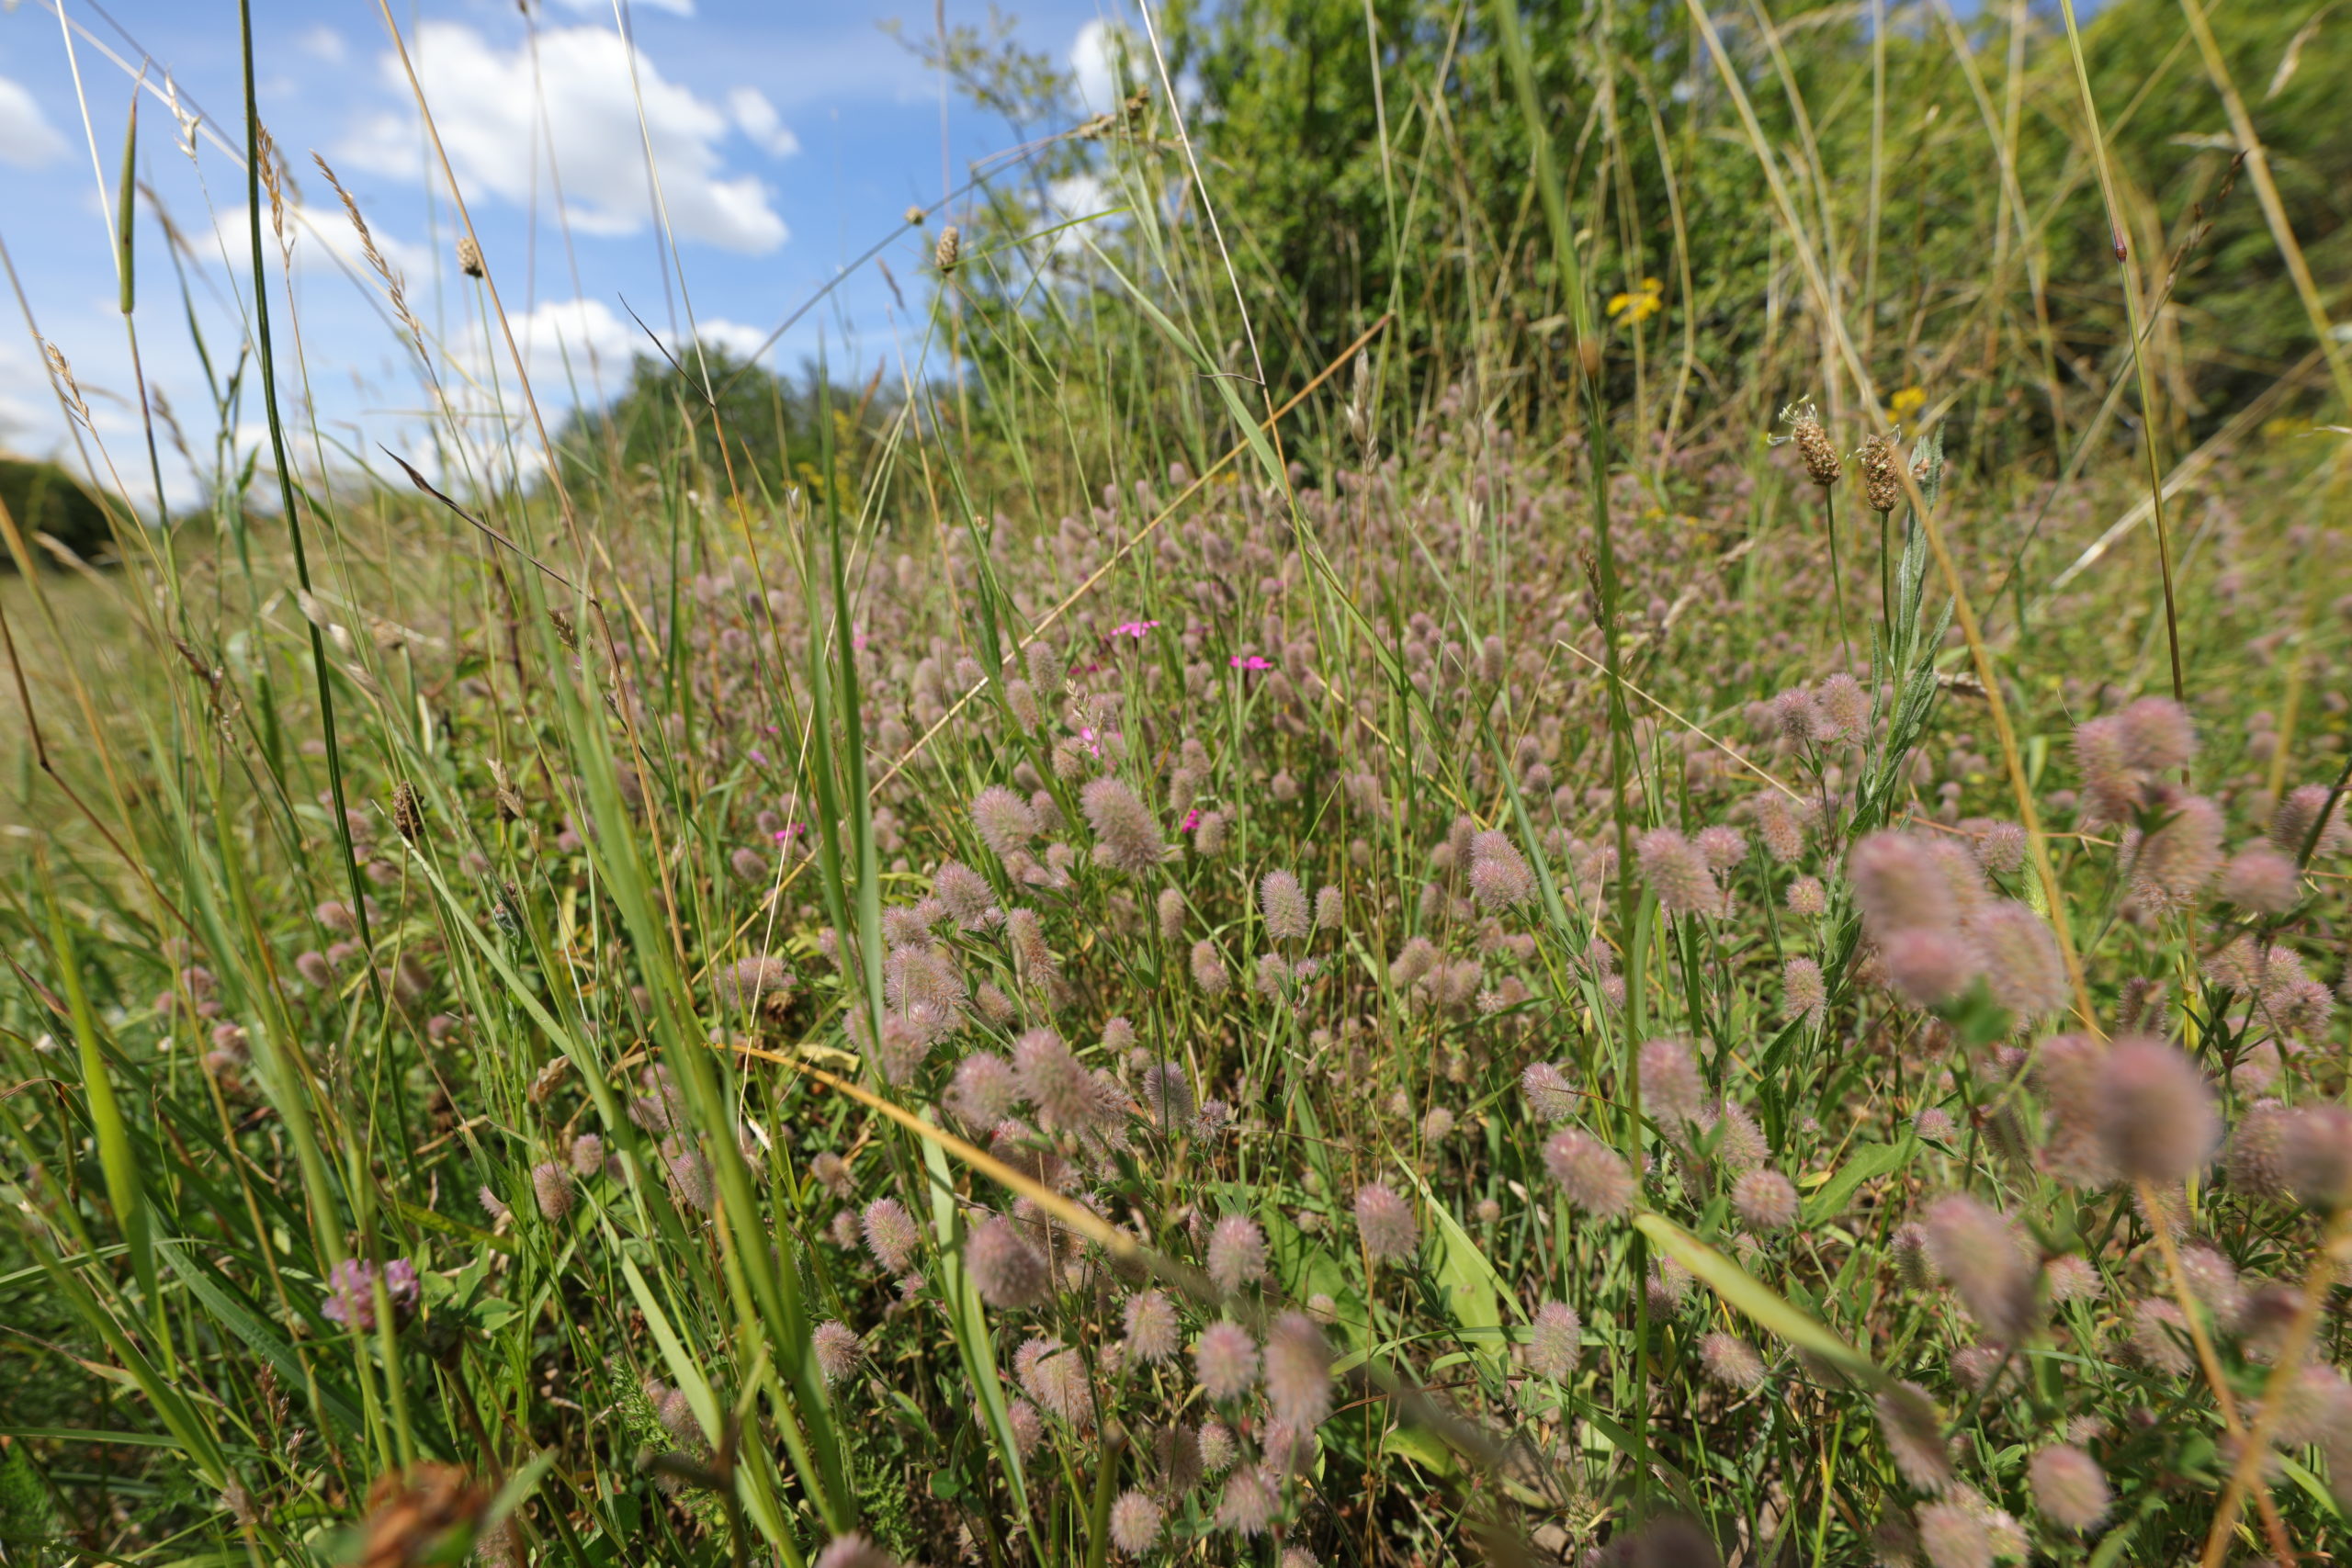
1134 1523
1225 1360
1677 872
2018 955
1721 846
1804 994
1592 1175
1006 1269
1548 1091
1283 903
1900 887
1126 836
1237 1254
1672 1089
1298 1371
890 1234
1151 1326
1765 1200
2294 817
2314 1155
853 1552
2156 1114
1386 1223
1989 1269
1499 877
1731 1361
1926 965
2261 881
2069 1488
1806 896
2157 735
1554 1341
1844 706
837 1348
2172 865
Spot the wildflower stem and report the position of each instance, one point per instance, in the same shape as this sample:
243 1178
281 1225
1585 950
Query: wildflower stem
2327 1258
2150 1204
1837 574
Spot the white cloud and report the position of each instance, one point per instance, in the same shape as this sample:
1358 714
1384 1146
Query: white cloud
24 421
324 43
756 118
320 235
27 139
605 7
487 102
1101 57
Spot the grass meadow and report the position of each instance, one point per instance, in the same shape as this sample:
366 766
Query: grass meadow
1669 890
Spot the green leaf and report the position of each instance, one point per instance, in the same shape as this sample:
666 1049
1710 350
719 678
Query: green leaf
1743 1293
1869 1162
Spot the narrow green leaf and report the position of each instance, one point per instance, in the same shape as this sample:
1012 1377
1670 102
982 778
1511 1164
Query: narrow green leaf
1744 1293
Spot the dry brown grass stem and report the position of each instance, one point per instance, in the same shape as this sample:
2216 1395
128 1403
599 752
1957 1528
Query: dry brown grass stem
2327 1258
2151 1202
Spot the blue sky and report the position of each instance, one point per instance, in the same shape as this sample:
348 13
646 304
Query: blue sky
789 136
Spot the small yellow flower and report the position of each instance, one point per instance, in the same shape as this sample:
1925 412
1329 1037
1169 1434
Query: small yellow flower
1640 306
1906 403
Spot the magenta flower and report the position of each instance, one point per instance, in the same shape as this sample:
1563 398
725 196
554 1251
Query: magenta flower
1192 820
1132 628
1251 661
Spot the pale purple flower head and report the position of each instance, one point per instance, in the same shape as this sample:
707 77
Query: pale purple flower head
2018 955
1208 970
2292 820
1237 1253
1298 1371
1007 1270
1731 1361
853 1552
2069 1488
1765 1200
1554 1341
1126 836
1134 1523
1250 1504
1499 877
1225 1360
1915 1437
1003 821
1721 846
1288 919
890 1234
351 1292
1548 1092
2261 881
1672 1089
1989 1269
2156 1114
837 1348
1385 1224
1590 1174
551 1187
1151 1326
1676 873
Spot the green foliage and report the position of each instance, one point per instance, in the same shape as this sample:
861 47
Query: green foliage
43 498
